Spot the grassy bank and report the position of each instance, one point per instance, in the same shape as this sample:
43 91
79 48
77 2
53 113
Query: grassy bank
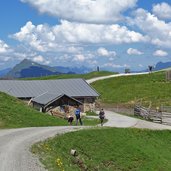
65 76
107 150
130 89
15 113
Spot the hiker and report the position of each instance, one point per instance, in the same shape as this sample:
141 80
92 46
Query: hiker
101 116
77 115
150 68
70 118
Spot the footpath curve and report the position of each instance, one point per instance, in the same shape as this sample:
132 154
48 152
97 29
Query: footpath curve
15 144
121 121
112 76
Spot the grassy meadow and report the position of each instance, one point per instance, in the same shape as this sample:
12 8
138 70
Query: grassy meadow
15 113
109 149
126 91
65 76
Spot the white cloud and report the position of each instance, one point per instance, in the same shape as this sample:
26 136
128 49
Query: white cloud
64 58
5 58
115 65
84 57
44 38
104 52
162 10
38 59
132 51
72 49
92 62
90 11
39 38
158 31
79 58
160 53
3 47
111 59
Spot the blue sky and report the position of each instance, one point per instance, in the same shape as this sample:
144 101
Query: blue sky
111 34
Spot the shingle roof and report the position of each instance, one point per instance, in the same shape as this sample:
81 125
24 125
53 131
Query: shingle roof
34 88
48 98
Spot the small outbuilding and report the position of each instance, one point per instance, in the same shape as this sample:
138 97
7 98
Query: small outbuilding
47 101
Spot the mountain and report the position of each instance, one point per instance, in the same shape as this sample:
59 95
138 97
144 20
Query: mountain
162 65
28 68
4 71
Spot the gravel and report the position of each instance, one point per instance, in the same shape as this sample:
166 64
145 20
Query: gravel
15 144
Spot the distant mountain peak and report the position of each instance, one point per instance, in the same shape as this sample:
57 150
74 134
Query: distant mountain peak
28 68
28 62
162 65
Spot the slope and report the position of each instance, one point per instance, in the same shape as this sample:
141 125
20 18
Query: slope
126 91
65 76
15 113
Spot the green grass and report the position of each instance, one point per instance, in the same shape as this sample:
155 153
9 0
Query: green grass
15 113
89 113
107 150
65 76
130 89
90 122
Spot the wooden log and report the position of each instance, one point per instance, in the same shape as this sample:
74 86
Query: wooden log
57 114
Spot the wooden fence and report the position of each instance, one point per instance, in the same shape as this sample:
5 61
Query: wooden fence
162 116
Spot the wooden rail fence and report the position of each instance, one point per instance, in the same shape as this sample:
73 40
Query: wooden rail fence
162 117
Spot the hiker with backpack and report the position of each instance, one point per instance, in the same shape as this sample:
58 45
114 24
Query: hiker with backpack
101 116
78 116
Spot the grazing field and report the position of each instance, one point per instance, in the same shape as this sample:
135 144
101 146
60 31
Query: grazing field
127 90
107 150
65 76
15 113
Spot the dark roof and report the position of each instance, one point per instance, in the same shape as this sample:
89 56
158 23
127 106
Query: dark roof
34 88
47 98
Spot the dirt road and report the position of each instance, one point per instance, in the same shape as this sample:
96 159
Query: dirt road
15 144
112 76
121 121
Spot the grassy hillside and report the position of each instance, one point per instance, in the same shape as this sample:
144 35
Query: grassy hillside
127 90
15 114
107 150
64 76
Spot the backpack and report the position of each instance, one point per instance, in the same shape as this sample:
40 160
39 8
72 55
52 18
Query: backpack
77 112
101 114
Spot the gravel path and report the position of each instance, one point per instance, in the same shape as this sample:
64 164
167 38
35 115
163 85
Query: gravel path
121 121
112 76
15 144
